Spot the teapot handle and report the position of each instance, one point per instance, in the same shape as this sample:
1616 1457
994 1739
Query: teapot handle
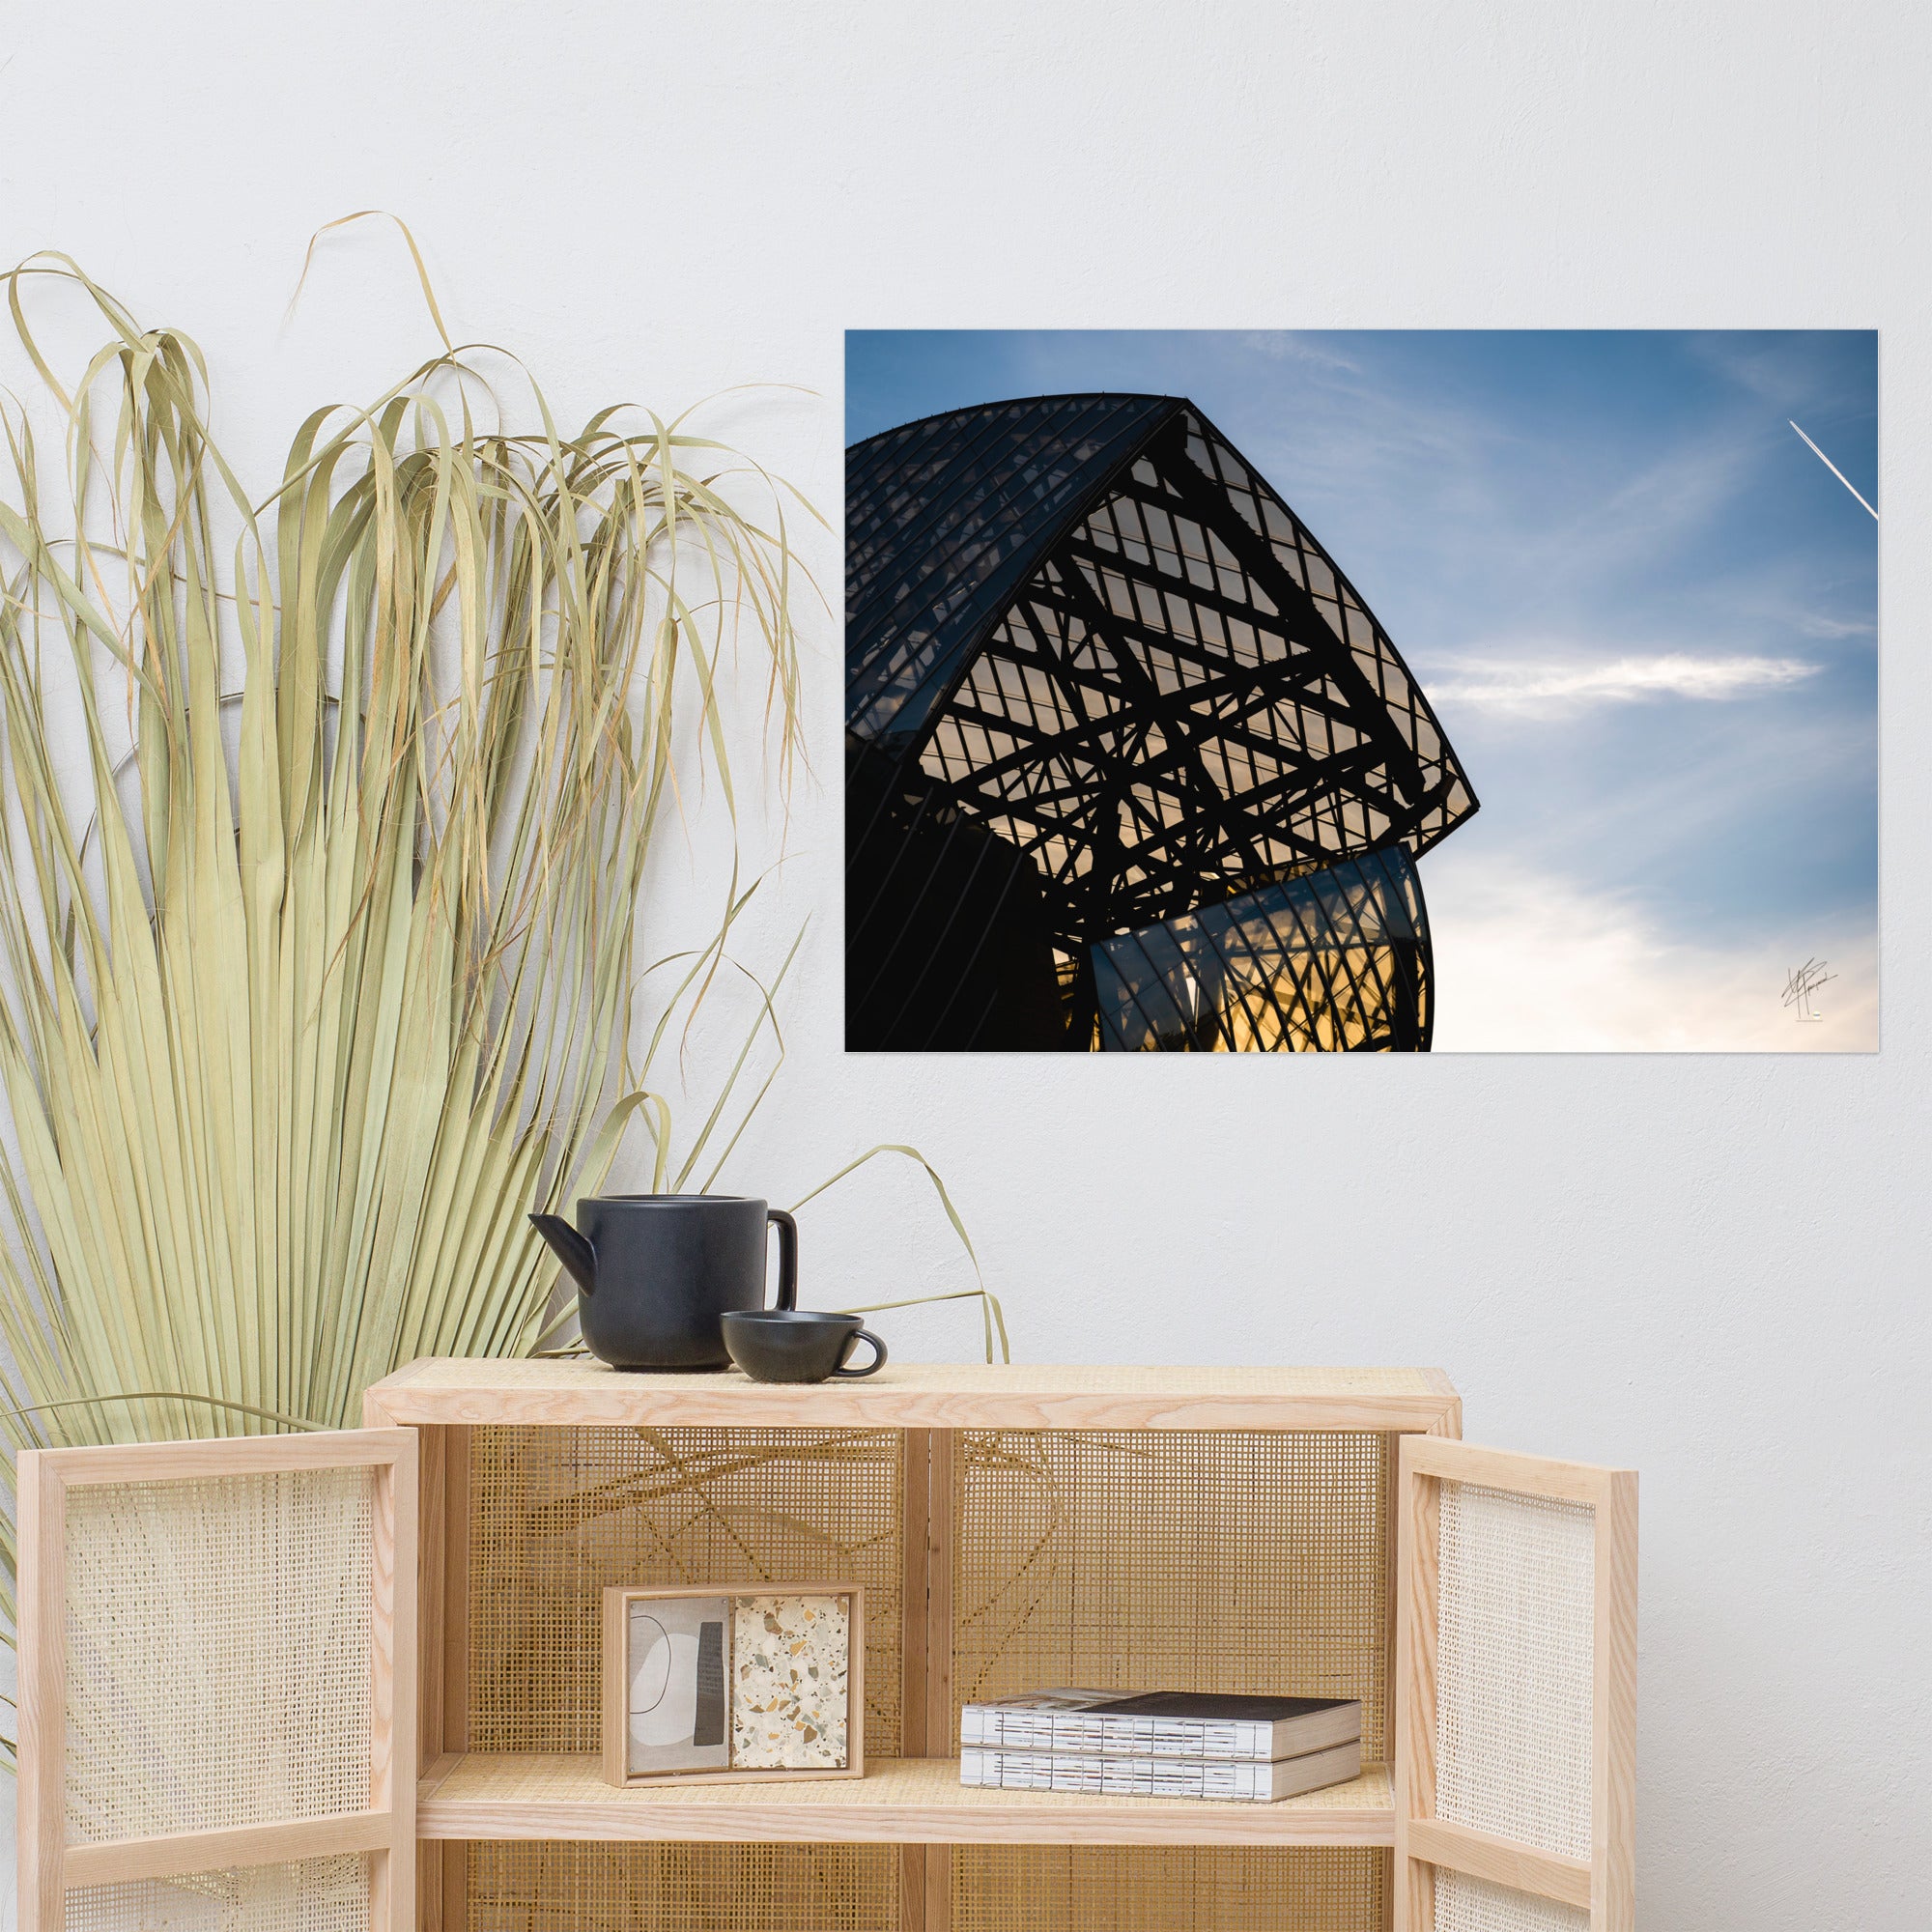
787 1256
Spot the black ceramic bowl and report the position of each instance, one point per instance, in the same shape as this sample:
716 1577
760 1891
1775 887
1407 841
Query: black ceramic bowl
795 1345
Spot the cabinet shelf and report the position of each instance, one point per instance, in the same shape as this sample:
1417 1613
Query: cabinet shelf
898 1801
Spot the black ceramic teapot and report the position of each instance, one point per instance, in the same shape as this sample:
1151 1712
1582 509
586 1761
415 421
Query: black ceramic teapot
655 1272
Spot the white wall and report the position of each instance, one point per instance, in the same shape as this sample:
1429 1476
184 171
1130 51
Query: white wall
1713 1269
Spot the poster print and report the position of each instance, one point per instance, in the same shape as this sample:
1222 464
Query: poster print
1362 691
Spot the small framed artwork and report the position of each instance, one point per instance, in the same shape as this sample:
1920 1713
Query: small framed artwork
748 1683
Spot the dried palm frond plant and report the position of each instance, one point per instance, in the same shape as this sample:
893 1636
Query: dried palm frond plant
318 962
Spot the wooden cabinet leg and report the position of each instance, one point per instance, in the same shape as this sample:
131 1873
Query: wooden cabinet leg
912 1889
938 1888
443 1876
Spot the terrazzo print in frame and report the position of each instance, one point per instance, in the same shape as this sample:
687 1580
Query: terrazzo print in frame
790 1683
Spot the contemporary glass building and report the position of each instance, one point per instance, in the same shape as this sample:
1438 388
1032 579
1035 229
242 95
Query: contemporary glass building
1130 765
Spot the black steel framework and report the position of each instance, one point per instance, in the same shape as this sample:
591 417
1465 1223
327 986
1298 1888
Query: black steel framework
1129 763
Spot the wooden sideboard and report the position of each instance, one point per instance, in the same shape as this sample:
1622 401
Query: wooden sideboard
1318 1531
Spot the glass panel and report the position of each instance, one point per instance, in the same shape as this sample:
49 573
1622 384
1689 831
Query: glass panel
1333 961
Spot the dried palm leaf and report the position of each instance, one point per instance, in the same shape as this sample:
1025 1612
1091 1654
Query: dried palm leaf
319 972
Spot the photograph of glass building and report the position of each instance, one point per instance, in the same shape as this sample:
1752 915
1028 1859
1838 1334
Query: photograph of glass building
1129 764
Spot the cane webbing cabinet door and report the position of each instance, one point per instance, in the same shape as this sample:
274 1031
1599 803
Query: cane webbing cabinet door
1516 1693
217 1698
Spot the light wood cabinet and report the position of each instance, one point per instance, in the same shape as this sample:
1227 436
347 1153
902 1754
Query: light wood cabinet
1306 1529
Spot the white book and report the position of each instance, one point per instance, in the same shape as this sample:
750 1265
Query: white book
1161 1724
1230 1782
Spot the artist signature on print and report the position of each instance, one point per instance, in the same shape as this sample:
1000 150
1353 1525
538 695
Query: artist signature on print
1803 983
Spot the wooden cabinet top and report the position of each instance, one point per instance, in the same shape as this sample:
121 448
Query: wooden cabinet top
918 1395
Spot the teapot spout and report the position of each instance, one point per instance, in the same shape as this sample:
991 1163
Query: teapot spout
570 1248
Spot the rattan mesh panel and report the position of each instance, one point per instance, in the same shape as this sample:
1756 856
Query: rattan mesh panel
1464 1904
1515 1649
556 1515
313 1895
1253 1560
1180 1889
538 1887
218 1652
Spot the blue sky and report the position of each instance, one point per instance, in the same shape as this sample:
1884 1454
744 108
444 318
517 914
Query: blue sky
1644 610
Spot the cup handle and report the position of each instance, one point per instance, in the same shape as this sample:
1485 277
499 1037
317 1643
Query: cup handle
872 1367
787 1256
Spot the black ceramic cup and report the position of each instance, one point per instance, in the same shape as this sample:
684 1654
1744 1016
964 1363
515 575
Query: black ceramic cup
794 1344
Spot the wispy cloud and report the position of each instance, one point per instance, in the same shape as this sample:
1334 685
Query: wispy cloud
1814 624
1529 686
1577 513
1285 345
1783 368
1527 962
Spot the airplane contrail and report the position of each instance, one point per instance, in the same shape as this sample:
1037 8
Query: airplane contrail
1832 467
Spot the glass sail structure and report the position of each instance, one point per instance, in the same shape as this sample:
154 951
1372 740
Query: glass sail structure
1129 764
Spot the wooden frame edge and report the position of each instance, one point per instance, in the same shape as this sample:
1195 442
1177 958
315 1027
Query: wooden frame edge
41 1650
915 1528
925 1653
172 1854
229 1456
394 1712
1412 1778
945 1478
613 1742
1501 1860
1454 1461
1613 1747
441 1658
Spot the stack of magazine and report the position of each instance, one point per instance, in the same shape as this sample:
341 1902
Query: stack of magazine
1163 1743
